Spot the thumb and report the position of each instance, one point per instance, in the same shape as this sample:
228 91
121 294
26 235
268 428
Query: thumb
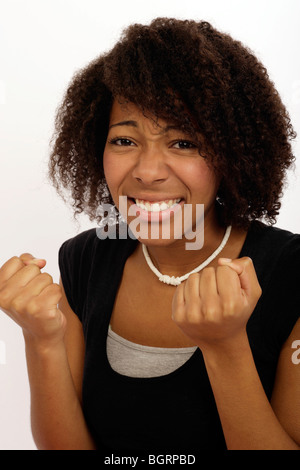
27 259
244 269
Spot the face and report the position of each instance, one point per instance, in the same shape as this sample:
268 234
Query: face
156 166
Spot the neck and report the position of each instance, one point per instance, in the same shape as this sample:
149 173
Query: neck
176 260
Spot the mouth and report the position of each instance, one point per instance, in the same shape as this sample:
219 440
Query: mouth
156 206
155 211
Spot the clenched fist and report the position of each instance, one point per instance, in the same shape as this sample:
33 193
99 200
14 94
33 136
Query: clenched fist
213 306
30 298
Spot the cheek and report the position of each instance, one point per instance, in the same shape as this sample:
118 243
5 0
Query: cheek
200 178
210 181
112 171
107 165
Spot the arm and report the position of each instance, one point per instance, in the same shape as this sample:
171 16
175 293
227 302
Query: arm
30 298
213 309
55 376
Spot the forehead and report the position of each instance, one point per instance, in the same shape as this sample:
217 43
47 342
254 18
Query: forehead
127 113
124 109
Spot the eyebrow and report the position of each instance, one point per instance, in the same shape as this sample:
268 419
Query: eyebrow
135 124
125 123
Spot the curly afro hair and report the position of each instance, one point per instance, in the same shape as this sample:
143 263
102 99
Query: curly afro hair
207 83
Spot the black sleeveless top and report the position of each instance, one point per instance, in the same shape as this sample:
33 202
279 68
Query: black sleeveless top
174 413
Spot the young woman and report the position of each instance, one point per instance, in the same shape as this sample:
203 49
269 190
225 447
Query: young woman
146 345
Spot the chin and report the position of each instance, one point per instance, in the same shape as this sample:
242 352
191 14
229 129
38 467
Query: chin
160 242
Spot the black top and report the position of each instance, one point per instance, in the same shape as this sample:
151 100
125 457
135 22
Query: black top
175 412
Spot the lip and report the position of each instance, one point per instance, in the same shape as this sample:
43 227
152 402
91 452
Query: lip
157 198
149 216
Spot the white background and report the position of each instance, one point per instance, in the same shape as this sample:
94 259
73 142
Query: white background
42 44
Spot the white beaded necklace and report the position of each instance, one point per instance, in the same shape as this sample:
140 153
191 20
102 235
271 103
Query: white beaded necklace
175 281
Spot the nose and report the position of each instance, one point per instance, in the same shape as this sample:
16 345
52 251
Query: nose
150 167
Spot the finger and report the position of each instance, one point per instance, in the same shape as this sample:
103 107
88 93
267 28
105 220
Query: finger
41 263
45 306
50 296
178 302
37 284
14 286
191 290
21 278
33 289
209 294
229 287
27 258
208 283
9 268
179 294
245 270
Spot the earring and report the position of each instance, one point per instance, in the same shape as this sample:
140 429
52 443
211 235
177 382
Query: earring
105 193
219 200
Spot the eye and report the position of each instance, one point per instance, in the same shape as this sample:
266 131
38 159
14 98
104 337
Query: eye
121 142
184 145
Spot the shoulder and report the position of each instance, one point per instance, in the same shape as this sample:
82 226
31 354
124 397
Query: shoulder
74 256
85 255
277 256
273 238
87 261
88 244
79 244
272 248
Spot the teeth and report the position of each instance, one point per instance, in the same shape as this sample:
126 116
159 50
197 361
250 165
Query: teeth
156 206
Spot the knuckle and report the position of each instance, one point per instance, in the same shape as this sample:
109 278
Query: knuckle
248 261
210 311
229 307
193 277
223 268
57 293
13 261
193 315
208 270
33 307
51 315
17 259
17 304
33 268
26 257
47 277
54 288
258 291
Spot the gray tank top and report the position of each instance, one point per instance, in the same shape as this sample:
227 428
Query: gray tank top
136 360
